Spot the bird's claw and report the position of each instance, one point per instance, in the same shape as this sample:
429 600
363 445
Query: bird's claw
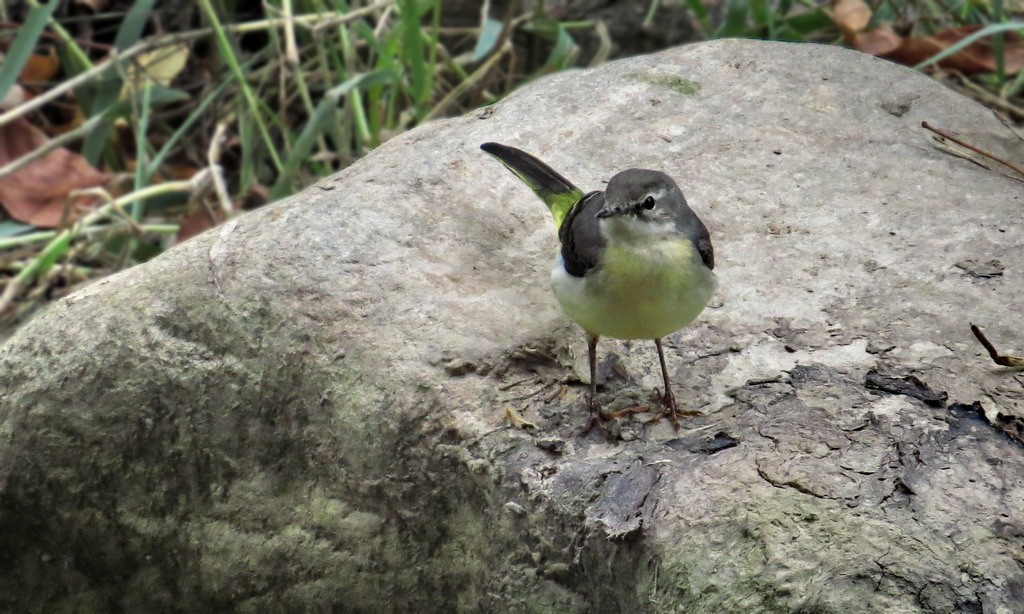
671 411
595 420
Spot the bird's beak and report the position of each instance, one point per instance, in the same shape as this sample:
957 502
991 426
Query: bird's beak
610 211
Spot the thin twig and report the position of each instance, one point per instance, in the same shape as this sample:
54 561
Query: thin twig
554 395
60 242
46 235
468 82
987 98
1005 121
527 395
966 155
1017 362
111 203
313 21
68 137
977 150
10 25
72 83
217 171
511 385
351 15
382 22
291 49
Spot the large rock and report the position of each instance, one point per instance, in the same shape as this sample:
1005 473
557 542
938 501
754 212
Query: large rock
304 410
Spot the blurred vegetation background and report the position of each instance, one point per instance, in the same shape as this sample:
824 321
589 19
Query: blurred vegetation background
128 126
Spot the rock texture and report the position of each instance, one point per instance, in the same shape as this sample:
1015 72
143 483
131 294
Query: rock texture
304 410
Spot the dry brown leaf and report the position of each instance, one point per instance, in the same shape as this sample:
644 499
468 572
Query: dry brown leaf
881 41
177 172
167 171
40 68
851 16
36 194
198 221
975 58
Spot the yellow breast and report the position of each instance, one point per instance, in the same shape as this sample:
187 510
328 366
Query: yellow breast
639 292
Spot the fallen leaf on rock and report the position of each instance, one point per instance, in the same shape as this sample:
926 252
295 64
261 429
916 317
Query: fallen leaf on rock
36 193
909 385
982 270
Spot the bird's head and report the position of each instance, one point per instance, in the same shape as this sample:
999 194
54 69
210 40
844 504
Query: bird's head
640 204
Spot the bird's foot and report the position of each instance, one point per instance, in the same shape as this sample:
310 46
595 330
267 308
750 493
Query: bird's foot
594 420
627 412
671 411
597 418
605 421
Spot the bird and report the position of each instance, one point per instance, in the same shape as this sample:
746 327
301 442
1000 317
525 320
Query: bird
635 261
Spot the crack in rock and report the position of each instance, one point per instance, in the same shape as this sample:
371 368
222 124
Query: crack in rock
618 510
908 385
791 483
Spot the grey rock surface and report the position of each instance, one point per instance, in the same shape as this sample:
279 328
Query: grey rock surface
304 409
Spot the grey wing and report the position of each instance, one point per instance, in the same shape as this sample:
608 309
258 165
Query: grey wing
706 251
580 235
689 224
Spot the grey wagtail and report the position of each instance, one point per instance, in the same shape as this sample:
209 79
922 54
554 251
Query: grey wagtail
636 262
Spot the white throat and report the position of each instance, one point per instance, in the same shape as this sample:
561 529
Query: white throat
627 229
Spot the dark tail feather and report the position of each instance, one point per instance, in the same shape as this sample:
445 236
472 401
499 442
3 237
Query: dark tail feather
541 178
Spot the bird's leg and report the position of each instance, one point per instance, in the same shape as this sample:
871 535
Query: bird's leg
595 413
668 400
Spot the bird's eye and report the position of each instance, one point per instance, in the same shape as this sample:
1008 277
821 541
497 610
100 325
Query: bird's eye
648 203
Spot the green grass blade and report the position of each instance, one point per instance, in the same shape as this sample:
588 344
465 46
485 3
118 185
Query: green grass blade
10 228
1014 88
186 126
998 48
564 52
433 39
24 43
980 34
108 88
412 53
763 14
490 31
141 151
227 53
45 260
134 23
247 138
701 13
735 19
808 23
325 112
